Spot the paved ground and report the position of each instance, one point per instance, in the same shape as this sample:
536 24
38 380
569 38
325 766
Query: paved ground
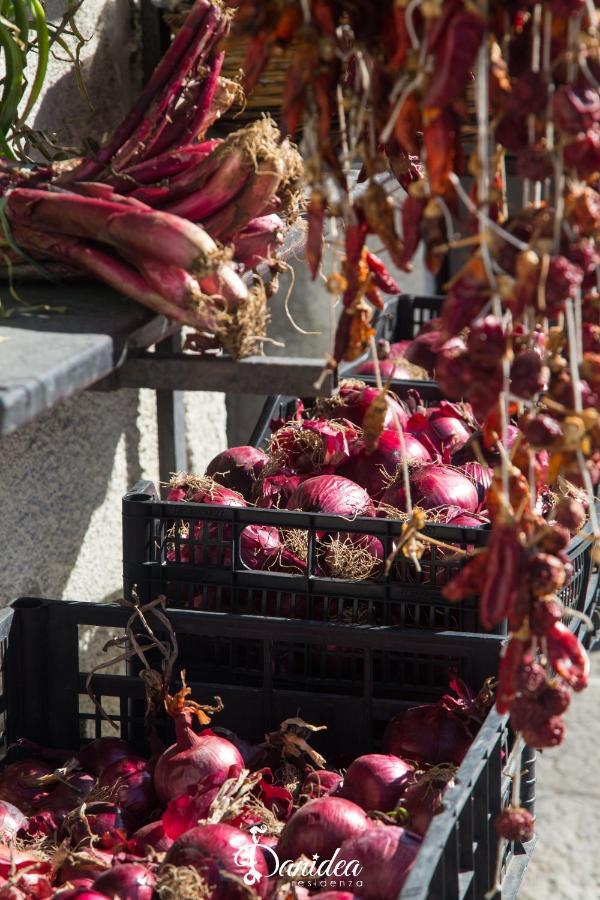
566 862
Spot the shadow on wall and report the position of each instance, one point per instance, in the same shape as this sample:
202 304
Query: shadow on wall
106 69
55 477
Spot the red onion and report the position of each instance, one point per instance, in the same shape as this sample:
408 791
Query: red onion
462 519
89 863
434 486
374 471
17 784
215 850
430 733
319 783
203 490
440 427
331 494
132 781
424 798
354 399
394 369
80 893
338 895
245 747
396 349
238 468
149 837
386 855
481 476
311 445
67 793
261 548
193 757
275 490
490 454
320 826
376 781
423 350
102 752
131 881
12 820
103 821
41 825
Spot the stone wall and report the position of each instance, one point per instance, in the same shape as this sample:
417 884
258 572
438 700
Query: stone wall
62 477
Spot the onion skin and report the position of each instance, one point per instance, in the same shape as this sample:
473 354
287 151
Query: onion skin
150 837
390 368
211 849
386 854
320 826
312 446
276 490
91 865
129 880
102 752
132 780
238 469
376 781
184 813
374 471
429 733
11 820
435 486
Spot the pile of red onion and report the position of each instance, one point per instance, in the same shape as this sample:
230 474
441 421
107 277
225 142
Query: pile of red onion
361 453
129 826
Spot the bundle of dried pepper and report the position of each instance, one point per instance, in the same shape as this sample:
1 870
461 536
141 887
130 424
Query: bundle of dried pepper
403 88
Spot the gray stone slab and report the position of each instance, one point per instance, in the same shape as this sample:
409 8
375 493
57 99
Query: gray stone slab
46 356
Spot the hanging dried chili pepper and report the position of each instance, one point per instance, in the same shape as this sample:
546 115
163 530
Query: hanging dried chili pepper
455 57
441 137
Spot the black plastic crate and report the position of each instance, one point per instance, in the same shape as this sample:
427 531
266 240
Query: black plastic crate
44 698
191 553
